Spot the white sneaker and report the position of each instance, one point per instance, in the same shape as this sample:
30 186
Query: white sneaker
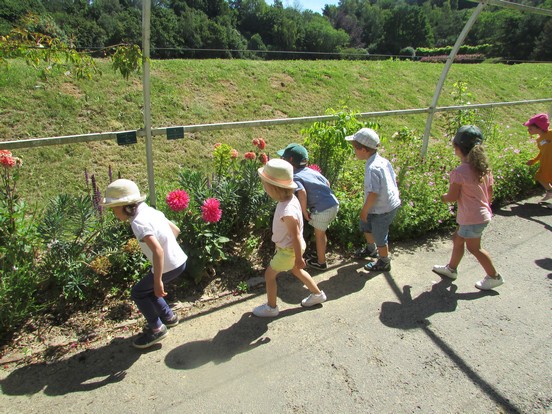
488 283
445 271
265 311
314 299
547 196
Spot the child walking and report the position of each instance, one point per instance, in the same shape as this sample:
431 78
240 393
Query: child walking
471 186
538 125
318 202
287 234
157 237
381 199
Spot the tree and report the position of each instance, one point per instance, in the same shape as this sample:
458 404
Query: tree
406 26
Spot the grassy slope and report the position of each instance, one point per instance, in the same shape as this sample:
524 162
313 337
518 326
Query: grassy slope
187 92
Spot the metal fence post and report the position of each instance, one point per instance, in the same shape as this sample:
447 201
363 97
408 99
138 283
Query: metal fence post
146 17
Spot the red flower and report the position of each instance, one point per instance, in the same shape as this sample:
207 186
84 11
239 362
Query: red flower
210 210
218 144
6 158
255 142
263 158
178 200
315 168
234 153
261 144
249 155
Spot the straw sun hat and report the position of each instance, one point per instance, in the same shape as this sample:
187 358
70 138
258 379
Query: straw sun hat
122 192
278 173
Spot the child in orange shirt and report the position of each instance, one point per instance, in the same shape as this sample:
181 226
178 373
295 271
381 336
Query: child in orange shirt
538 125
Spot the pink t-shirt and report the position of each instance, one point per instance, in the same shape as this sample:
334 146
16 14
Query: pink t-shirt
280 234
474 201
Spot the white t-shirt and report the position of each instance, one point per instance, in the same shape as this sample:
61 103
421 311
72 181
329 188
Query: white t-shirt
280 234
380 178
151 222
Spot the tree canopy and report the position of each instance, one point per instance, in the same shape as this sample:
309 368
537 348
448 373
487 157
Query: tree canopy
253 28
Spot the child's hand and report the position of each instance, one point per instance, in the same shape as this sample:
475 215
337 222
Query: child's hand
306 215
159 290
300 263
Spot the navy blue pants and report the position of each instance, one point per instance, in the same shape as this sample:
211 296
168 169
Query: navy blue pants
154 309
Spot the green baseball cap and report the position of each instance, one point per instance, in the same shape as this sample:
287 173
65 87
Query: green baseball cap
295 152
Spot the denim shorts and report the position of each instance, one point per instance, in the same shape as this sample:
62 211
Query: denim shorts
471 231
378 226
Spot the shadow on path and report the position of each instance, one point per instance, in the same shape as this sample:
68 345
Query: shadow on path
85 371
244 335
527 211
350 278
412 313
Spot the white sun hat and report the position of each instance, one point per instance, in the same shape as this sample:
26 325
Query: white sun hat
122 192
278 173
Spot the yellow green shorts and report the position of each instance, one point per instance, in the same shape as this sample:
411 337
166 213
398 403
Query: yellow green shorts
284 259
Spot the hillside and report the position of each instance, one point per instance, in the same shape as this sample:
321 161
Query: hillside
188 92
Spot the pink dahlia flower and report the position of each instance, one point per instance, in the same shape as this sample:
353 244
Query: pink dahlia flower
249 155
263 158
315 168
261 144
178 200
233 153
210 210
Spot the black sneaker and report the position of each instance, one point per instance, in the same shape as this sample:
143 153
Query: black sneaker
314 263
365 252
379 266
149 338
170 323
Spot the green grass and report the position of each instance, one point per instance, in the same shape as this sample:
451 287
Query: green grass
188 92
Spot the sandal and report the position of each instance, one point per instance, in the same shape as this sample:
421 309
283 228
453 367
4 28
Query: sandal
379 266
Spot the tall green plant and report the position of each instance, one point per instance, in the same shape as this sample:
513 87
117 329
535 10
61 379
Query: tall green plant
19 243
326 143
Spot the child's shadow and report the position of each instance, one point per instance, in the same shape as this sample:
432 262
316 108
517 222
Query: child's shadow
85 371
414 313
349 279
527 211
242 336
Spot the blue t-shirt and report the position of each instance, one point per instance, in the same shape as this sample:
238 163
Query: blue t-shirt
320 196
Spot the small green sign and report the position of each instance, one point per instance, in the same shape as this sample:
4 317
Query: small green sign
175 133
126 138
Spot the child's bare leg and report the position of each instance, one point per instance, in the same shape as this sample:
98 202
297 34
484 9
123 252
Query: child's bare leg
306 279
321 242
383 251
457 250
271 286
482 256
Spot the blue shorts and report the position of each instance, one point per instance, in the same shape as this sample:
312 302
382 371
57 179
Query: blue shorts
471 231
378 226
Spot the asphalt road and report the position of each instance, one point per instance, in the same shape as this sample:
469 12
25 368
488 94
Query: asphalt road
403 341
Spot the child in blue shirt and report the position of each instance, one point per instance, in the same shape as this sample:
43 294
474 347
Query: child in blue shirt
381 199
318 202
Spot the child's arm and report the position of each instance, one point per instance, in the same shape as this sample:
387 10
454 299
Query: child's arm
295 234
158 263
174 228
452 194
302 196
370 201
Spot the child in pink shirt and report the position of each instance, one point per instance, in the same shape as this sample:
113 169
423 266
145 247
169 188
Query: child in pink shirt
538 125
471 186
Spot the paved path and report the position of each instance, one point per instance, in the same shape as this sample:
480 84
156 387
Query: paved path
399 342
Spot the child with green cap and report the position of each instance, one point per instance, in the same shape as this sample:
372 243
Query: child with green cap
318 202
471 186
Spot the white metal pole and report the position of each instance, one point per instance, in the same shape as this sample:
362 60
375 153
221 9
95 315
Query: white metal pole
444 74
146 17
